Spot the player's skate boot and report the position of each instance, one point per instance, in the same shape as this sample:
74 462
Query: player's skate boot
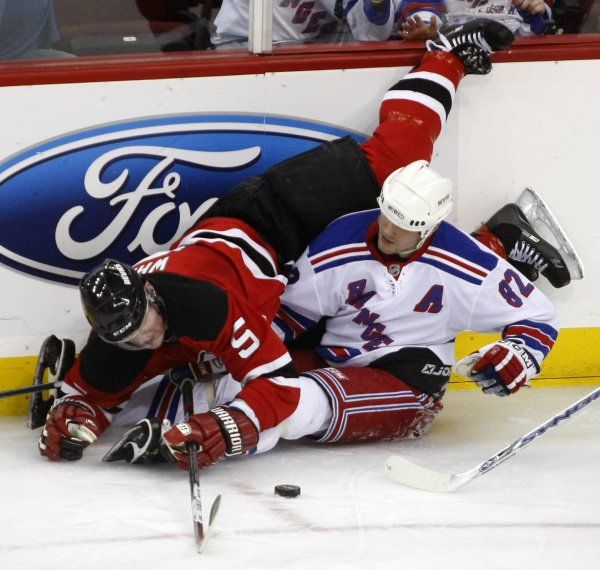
528 252
473 42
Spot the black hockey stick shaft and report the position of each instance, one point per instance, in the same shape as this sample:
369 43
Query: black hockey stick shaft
187 392
29 389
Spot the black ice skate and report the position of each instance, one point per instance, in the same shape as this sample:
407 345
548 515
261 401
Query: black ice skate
527 250
473 42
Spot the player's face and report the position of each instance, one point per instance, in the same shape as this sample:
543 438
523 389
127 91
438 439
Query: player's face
151 334
393 240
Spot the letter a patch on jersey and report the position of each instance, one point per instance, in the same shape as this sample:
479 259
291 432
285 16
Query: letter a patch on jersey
432 300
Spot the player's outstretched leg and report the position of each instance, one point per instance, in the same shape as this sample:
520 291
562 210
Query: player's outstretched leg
524 247
473 42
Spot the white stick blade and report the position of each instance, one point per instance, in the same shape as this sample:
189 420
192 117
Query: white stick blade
404 471
213 513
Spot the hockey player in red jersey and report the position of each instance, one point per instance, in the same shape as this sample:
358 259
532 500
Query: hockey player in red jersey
217 289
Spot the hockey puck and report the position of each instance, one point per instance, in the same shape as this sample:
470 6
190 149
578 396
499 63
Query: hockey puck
287 491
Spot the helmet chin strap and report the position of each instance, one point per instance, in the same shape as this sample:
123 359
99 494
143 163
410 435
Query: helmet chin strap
408 252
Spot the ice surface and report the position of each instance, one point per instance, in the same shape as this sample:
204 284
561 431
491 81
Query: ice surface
541 509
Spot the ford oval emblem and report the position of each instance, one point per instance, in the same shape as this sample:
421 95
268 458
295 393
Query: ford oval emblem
127 190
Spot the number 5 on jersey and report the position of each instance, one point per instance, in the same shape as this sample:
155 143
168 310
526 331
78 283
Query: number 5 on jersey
243 339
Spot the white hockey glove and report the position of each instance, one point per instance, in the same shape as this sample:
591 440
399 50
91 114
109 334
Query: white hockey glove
500 368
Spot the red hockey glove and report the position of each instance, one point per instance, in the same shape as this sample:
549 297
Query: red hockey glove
72 424
503 368
220 432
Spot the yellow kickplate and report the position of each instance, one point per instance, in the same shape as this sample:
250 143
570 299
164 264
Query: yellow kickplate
16 372
574 361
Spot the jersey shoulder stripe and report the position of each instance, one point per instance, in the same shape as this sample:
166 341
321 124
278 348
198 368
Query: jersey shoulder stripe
259 257
456 253
342 242
342 257
350 229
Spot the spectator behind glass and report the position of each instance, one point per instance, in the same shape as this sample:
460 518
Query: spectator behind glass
297 21
420 19
195 29
28 29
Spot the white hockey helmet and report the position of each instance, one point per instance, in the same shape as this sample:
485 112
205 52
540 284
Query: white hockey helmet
416 198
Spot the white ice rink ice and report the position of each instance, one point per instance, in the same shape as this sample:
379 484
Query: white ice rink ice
539 510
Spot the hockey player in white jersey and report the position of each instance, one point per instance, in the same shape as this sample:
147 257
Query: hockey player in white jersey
297 21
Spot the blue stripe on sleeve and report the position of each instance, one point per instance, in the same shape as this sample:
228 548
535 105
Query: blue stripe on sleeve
288 332
451 270
343 261
546 329
305 322
531 342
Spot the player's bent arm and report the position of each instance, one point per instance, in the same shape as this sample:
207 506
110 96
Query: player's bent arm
529 326
99 383
264 411
107 374
233 428
312 415
268 401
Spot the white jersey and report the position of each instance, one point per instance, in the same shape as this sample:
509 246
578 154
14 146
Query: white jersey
375 307
296 21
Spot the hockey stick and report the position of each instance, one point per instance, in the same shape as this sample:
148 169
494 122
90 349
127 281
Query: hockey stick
29 389
201 535
407 473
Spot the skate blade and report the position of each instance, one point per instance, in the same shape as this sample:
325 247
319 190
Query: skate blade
541 218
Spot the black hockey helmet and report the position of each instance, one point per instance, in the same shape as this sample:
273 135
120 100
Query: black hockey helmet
114 300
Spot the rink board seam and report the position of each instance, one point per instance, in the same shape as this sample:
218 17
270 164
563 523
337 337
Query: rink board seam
574 361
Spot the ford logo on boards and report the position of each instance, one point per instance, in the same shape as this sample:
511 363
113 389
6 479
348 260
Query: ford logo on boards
128 190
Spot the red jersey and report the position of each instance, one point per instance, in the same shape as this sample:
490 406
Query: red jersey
220 285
